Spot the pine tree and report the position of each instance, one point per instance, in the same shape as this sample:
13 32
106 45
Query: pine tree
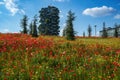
24 23
89 31
30 28
34 27
49 21
104 35
83 34
116 31
95 29
69 27
64 31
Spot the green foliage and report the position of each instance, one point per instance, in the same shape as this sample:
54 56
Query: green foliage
30 28
64 31
23 23
34 27
83 34
69 32
54 58
116 30
89 31
95 29
49 19
104 34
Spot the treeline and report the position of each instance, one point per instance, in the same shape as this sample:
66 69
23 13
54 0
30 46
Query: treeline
48 23
105 32
110 32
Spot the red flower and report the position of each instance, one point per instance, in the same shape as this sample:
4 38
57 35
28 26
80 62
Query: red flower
118 52
5 78
51 53
116 64
112 75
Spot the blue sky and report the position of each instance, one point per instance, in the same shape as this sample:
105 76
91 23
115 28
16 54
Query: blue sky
93 12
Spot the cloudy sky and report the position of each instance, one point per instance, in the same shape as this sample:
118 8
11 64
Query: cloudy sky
93 12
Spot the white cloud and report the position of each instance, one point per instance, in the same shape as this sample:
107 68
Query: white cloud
117 16
12 7
98 11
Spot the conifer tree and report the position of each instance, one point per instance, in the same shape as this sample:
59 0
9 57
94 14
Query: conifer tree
34 27
24 23
30 28
104 34
69 32
83 34
116 31
64 31
95 29
89 31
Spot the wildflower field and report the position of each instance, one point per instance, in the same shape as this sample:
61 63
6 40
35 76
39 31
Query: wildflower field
23 57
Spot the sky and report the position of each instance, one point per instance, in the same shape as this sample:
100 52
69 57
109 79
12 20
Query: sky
87 12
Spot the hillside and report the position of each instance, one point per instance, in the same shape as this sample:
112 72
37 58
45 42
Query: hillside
54 58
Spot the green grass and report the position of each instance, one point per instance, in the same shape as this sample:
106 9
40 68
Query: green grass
54 58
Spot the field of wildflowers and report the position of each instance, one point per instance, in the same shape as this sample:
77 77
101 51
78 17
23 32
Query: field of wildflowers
54 58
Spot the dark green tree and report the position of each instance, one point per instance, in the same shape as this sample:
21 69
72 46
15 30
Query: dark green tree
69 33
24 23
34 27
104 34
49 21
89 31
83 34
64 31
116 31
31 28
95 29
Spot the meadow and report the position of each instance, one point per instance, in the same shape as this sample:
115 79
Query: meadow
23 57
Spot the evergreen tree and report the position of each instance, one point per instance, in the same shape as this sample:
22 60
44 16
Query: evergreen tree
69 33
89 31
24 23
30 28
64 31
49 21
95 29
104 35
34 27
83 34
116 31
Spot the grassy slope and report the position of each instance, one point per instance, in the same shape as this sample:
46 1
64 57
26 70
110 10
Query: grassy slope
47 58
